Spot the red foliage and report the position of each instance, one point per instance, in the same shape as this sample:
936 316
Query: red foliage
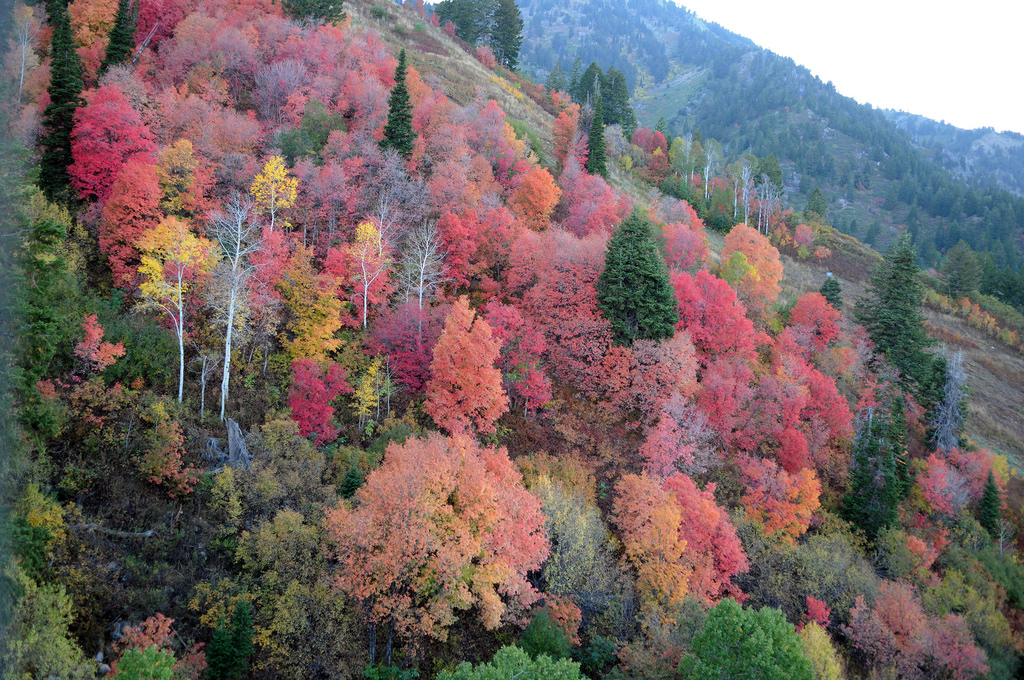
943 486
535 198
589 205
713 550
156 631
464 391
162 460
819 320
759 288
312 391
681 440
641 377
97 354
725 399
441 526
818 612
714 317
686 248
408 334
522 347
132 210
569 145
781 502
566 615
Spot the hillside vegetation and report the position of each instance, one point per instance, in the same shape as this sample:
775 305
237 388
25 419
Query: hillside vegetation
326 356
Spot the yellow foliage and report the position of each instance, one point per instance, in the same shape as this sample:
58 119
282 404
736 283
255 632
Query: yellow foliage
367 398
41 511
176 166
315 310
170 251
274 189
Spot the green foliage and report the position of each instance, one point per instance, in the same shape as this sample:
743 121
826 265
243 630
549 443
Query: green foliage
317 11
309 139
472 18
634 291
816 203
389 673
832 291
398 132
557 81
59 117
506 33
526 133
513 662
961 270
597 655
227 656
121 42
42 269
151 663
743 643
544 636
615 99
820 652
770 166
597 156
891 313
990 506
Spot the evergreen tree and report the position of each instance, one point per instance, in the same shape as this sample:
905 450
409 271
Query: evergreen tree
990 506
557 80
575 73
398 133
962 270
227 657
768 166
816 203
880 474
506 33
472 18
832 291
597 158
634 290
617 109
121 44
325 11
662 127
59 117
588 87
891 313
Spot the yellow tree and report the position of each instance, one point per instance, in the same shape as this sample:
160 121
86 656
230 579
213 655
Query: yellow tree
367 395
172 258
314 309
274 190
370 251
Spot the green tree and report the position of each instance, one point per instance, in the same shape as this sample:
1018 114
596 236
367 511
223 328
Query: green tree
597 157
506 33
615 96
513 662
398 133
557 80
544 636
329 11
990 506
879 475
816 203
662 127
587 86
768 166
227 657
832 291
151 663
121 43
59 117
575 73
633 290
891 313
472 18
961 270
743 643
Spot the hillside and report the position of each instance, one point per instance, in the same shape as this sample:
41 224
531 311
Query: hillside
331 351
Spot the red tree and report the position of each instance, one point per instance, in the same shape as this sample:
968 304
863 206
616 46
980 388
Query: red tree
710 311
132 209
522 347
781 502
312 391
464 392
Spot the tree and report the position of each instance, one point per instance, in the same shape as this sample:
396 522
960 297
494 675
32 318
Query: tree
441 526
26 28
535 198
121 42
370 254
150 663
949 414
314 11
513 662
891 313
961 269
743 643
816 203
274 190
59 116
398 132
172 258
313 389
816 319
597 158
238 238
227 657
423 263
506 33
757 279
832 291
464 392
557 80
633 290
990 506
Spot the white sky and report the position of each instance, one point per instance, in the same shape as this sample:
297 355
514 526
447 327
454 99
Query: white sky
962 62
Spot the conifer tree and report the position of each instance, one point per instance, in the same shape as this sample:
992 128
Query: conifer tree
329 11
557 80
633 290
597 159
615 96
816 203
398 133
891 313
228 655
832 291
507 33
122 40
59 117
662 127
575 73
989 507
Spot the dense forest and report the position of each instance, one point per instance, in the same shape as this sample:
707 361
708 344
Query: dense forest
334 348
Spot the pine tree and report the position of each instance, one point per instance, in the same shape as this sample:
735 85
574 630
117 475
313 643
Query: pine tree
615 95
329 11
880 475
833 292
989 507
227 657
122 39
597 159
506 33
891 313
575 73
634 290
557 80
662 127
398 133
961 270
59 117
